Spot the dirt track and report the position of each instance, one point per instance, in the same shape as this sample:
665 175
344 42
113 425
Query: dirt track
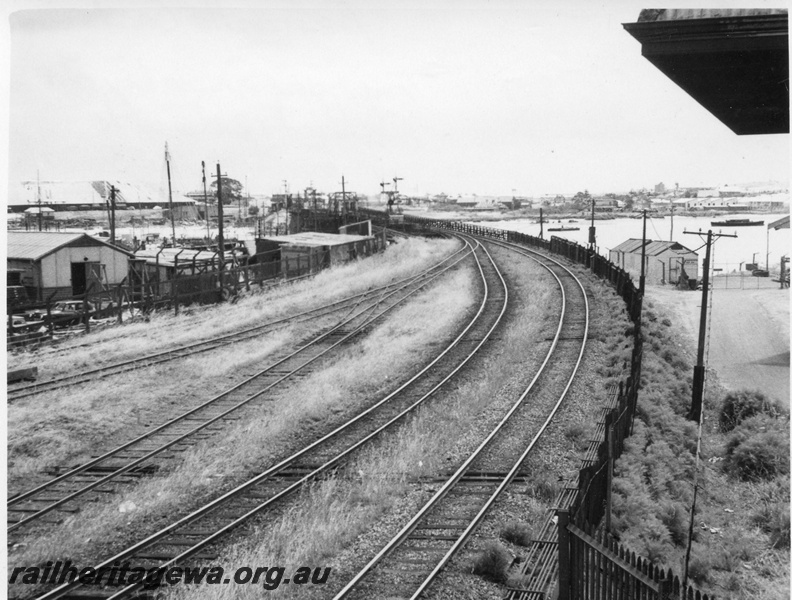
749 337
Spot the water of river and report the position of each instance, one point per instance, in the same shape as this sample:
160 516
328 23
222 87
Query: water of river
750 245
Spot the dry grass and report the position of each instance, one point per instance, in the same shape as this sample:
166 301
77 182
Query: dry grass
332 514
164 330
79 420
341 387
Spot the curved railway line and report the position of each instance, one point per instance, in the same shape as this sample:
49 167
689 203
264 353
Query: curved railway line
141 362
145 453
408 564
198 534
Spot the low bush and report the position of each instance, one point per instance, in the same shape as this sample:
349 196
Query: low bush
517 533
576 433
699 568
744 404
492 562
758 449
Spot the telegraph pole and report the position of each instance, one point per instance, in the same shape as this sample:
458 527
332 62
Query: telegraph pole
343 196
206 201
698 370
170 196
286 203
642 280
112 215
593 230
541 225
38 191
220 240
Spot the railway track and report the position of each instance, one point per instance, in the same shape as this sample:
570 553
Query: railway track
24 391
147 453
408 564
198 534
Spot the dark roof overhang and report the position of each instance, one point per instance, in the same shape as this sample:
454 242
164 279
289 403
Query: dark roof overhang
737 67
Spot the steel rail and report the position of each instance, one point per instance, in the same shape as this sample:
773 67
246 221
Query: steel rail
518 463
124 366
58 592
452 481
129 466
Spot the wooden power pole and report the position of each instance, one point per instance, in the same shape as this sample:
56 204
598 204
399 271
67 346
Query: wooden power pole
698 370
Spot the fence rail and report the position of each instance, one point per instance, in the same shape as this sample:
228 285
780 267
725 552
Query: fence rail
577 547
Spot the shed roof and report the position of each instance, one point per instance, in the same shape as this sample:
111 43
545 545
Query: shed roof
168 256
315 238
35 245
782 223
653 248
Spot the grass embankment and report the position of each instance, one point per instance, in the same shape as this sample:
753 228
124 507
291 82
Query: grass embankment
163 330
80 420
482 568
370 367
342 522
741 525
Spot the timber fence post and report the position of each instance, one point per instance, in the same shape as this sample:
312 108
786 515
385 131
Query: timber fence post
564 571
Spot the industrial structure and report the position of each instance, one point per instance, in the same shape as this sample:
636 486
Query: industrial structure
64 265
307 250
666 262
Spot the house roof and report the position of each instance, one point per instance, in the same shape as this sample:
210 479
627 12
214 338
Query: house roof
653 248
35 245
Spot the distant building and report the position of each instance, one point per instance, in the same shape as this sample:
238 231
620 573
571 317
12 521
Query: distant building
660 188
65 264
63 196
665 261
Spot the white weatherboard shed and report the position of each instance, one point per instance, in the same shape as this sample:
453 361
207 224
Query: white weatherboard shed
665 261
65 264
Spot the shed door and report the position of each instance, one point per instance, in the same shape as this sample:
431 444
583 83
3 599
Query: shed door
673 269
85 274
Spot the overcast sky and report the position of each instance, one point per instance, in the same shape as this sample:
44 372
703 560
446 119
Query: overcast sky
456 96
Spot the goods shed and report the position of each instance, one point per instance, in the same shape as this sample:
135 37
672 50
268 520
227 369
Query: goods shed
666 262
311 250
64 264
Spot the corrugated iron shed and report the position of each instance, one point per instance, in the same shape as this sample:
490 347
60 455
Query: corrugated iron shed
35 245
653 248
315 238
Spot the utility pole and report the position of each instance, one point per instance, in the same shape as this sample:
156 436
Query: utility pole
112 215
206 201
767 250
343 196
286 203
671 238
170 196
698 370
642 280
220 240
38 191
592 229
541 225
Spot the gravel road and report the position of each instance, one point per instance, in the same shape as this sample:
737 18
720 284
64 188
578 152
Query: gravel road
749 337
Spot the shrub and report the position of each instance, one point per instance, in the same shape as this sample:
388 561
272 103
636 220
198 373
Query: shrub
545 486
517 533
699 568
666 322
492 562
773 518
676 519
576 433
758 449
741 405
